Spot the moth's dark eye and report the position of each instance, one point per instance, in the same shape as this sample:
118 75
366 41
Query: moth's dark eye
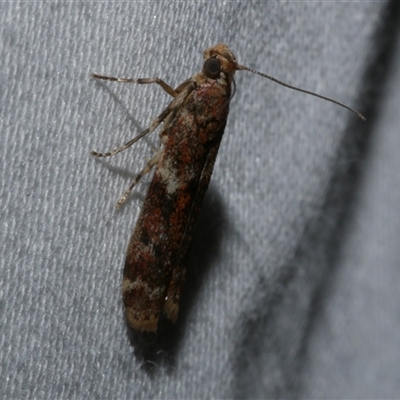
212 68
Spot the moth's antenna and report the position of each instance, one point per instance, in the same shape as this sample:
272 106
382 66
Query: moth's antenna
243 68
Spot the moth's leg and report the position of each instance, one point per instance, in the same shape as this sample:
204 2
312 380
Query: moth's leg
172 107
150 129
149 166
141 81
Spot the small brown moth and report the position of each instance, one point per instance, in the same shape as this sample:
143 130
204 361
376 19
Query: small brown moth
193 125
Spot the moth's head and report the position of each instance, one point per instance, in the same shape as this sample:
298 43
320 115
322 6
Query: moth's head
219 58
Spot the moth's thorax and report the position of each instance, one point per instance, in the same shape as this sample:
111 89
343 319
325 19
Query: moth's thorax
223 81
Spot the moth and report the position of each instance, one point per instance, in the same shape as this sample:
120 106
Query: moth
192 127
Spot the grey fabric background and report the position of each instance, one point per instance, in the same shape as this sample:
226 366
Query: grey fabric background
294 277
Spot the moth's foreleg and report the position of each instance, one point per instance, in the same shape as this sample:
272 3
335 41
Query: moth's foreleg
150 164
141 81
